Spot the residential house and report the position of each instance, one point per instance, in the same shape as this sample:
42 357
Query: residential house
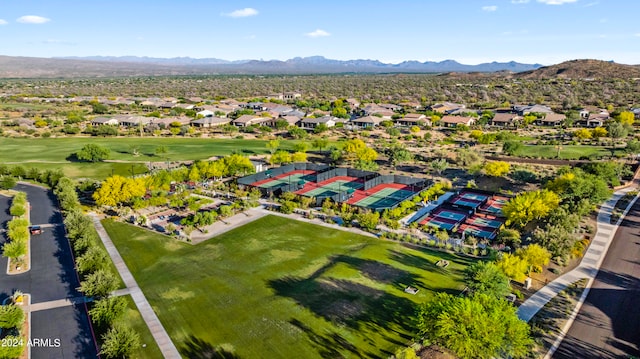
597 119
291 120
505 120
205 113
207 122
453 121
413 119
293 112
447 107
353 103
523 110
186 106
636 112
167 105
310 123
98 121
133 121
291 96
249 120
366 122
166 121
195 99
391 107
373 109
552 119
256 106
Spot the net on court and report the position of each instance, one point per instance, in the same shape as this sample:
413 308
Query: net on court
384 198
479 232
475 197
444 219
485 222
331 188
495 204
461 201
284 179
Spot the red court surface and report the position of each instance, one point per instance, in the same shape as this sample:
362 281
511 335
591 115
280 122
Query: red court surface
495 204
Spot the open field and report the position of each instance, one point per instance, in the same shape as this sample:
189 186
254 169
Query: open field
52 153
278 286
568 152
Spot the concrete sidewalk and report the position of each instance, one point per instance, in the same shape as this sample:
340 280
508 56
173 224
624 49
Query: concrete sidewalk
590 264
158 332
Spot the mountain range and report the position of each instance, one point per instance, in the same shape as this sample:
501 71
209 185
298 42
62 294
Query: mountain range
109 66
319 64
131 66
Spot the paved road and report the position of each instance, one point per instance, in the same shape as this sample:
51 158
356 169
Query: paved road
607 325
52 277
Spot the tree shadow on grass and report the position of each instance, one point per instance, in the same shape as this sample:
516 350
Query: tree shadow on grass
196 348
348 303
331 345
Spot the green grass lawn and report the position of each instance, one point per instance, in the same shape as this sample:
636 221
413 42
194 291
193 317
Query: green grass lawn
52 153
277 286
568 152
148 347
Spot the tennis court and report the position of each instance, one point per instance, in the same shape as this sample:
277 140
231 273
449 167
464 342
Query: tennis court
476 197
471 230
495 204
485 222
466 202
386 197
287 178
330 187
456 216
438 222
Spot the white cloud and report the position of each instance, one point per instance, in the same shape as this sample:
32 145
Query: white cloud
32 19
3 22
637 34
557 2
519 1
247 11
591 4
250 37
490 8
317 33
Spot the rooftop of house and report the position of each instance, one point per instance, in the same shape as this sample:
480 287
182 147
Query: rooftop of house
456 119
505 117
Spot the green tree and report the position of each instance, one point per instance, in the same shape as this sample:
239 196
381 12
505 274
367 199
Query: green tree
513 266
616 130
439 165
536 257
14 249
7 182
583 134
320 128
12 351
511 147
320 143
99 284
119 342
368 220
11 316
280 157
93 153
105 311
298 157
92 260
529 206
626 118
497 168
301 147
273 146
480 326
487 278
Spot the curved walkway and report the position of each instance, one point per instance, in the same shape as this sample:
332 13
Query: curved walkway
158 332
590 264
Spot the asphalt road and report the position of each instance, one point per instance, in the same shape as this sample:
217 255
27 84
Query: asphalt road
608 324
52 277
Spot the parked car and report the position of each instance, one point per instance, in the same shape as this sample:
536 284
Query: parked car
35 230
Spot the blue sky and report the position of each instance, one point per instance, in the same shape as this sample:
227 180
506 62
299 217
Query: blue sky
542 31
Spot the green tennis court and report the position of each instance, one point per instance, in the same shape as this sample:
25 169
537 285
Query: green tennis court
279 182
386 197
333 188
485 222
